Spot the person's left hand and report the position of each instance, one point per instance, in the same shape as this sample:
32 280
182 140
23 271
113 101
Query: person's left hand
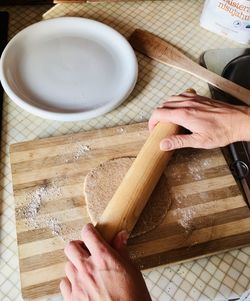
96 271
211 123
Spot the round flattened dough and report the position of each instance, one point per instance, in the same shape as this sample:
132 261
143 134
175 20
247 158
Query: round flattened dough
101 183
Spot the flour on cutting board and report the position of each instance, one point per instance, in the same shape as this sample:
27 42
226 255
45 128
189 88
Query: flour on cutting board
195 165
185 219
196 168
121 130
34 211
36 199
36 215
77 149
81 150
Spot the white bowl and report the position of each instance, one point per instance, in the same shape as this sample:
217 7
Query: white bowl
68 69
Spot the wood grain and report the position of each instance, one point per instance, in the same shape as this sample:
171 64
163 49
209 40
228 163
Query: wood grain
164 52
208 213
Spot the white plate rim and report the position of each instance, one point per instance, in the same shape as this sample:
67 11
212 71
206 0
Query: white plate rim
69 116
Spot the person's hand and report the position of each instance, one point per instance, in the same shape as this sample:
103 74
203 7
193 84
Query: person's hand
211 123
97 272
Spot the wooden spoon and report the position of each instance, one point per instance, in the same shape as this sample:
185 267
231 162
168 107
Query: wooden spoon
162 51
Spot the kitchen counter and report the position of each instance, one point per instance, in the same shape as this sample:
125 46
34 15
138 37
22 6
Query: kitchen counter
211 278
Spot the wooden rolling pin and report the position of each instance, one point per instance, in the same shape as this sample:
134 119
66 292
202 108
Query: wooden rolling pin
164 52
125 207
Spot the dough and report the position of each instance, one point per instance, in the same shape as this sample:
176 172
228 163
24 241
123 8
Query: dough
101 183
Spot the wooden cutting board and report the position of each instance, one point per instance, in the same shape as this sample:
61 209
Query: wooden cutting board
208 213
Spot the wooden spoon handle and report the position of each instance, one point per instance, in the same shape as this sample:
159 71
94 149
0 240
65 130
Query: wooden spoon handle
164 52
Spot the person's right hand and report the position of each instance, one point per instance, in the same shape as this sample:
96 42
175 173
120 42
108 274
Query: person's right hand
97 271
212 123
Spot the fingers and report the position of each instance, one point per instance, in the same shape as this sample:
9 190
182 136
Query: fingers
177 116
66 289
120 244
70 271
189 100
179 141
185 96
183 104
181 97
76 253
93 240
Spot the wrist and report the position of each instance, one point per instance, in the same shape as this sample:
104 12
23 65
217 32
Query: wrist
244 122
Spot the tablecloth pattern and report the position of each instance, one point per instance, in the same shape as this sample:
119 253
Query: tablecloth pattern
211 278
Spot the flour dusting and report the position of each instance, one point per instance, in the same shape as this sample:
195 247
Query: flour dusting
31 210
196 167
74 151
55 227
34 212
81 150
121 130
36 199
185 218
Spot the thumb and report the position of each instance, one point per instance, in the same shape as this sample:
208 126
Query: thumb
179 141
119 243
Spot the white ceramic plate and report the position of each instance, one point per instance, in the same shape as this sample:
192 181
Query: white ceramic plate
68 69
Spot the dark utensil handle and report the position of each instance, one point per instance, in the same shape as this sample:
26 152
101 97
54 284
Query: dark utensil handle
4 20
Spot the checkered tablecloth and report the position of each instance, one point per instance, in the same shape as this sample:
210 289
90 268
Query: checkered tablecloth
212 278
